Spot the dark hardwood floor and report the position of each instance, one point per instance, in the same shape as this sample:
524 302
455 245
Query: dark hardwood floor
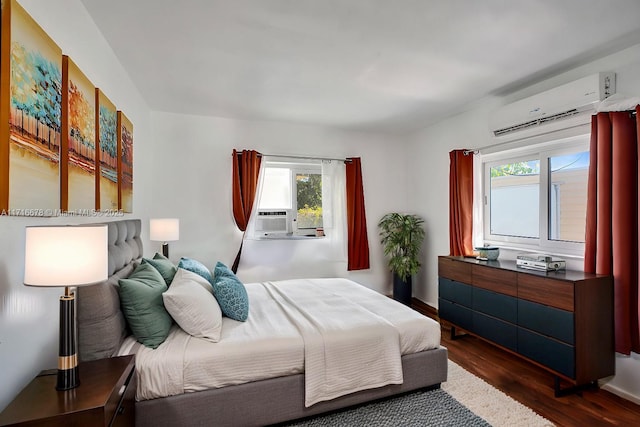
532 385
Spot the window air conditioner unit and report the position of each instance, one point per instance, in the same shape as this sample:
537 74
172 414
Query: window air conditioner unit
565 106
271 223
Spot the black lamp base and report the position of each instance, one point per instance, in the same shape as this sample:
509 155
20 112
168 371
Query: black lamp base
165 249
68 377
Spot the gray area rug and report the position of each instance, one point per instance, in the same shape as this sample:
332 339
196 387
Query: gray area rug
421 408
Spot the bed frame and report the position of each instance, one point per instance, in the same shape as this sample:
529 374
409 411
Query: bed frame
102 328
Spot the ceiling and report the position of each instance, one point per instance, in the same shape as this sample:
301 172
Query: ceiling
372 65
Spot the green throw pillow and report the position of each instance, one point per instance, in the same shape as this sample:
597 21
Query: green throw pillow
142 305
230 293
164 266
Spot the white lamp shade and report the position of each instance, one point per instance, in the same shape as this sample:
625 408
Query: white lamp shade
65 255
164 229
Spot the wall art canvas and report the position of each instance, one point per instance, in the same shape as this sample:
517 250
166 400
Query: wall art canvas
30 129
125 148
78 153
107 164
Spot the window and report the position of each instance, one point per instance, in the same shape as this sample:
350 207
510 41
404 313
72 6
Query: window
536 198
308 199
291 199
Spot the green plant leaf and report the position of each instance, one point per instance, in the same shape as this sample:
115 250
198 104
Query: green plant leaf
401 236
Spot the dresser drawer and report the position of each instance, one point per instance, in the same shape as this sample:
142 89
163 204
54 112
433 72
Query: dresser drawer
502 333
547 351
456 314
454 291
541 289
455 270
495 279
494 304
546 320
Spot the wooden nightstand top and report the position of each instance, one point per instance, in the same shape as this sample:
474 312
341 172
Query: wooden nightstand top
102 383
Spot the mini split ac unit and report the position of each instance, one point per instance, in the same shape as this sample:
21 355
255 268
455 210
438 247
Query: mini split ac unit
564 106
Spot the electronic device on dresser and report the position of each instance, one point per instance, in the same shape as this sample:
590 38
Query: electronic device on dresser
559 320
540 262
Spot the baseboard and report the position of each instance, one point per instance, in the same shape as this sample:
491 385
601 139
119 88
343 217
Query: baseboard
619 392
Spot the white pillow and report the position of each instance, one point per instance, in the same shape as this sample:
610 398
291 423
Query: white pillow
192 305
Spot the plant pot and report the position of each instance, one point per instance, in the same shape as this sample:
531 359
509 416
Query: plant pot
402 290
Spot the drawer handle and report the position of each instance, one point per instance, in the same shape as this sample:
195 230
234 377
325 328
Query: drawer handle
122 390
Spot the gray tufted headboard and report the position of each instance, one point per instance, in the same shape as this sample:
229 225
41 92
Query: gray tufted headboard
101 324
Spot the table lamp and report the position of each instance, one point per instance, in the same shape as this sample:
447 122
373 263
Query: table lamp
164 230
66 256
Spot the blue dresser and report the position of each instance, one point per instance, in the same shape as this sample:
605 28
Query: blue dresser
562 321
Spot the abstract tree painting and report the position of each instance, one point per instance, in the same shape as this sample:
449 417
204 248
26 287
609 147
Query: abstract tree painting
106 131
64 147
31 99
125 144
78 140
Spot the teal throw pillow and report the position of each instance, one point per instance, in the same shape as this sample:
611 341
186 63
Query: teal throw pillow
230 293
196 267
142 305
164 266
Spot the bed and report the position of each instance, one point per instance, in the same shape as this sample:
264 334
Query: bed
224 394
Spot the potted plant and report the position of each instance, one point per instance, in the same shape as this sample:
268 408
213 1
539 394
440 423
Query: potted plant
401 236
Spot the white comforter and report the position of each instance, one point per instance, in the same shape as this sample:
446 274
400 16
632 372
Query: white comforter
347 348
343 336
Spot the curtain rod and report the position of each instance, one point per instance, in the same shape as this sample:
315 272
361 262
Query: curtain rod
303 157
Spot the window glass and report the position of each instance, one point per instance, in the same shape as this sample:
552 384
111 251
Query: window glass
515 199
276 189
309 200
535 197
568 196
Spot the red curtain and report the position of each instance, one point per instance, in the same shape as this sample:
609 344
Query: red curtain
461 203
357 240
611 240
246 168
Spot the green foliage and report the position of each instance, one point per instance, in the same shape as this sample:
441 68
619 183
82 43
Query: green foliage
309 190
310 217
401 236
520 168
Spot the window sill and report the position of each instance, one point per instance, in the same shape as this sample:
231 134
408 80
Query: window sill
290 237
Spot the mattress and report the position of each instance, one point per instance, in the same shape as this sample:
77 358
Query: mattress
270 343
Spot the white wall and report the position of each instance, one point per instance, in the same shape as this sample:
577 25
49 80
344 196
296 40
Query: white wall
428 166
193 183
29 316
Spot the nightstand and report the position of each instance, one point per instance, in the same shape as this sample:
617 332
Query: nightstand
105 397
